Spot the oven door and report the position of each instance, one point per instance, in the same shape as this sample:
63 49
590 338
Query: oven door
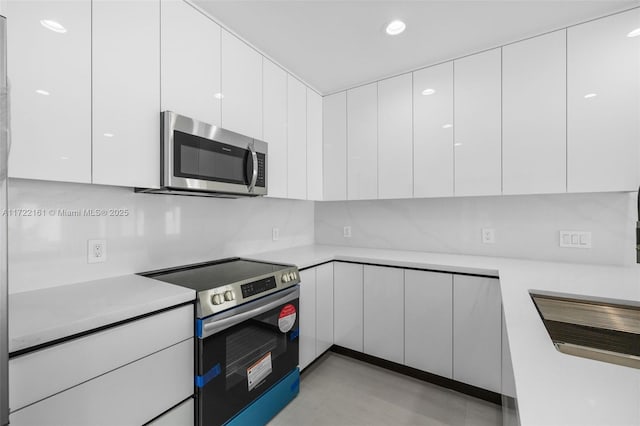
201 157
243 352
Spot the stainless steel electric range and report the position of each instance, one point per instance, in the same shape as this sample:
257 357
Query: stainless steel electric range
246 330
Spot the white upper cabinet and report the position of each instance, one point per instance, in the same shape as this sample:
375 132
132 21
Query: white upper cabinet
362 142
126 78
314 145
477 110
534 111
49 67
603 100
241 87
334 134
190 78
274 80
395 138
296 139
433 131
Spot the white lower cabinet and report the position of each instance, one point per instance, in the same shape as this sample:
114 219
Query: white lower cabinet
324 308
347 314
133 394
384 312
477 332
182 415
307 317
508 380
428 319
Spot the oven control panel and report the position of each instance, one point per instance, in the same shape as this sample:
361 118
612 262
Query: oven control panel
257 287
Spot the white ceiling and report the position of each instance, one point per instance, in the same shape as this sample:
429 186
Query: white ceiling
333 45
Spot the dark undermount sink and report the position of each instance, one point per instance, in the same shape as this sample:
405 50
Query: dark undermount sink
602 329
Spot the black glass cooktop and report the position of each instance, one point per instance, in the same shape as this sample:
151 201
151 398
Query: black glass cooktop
210 275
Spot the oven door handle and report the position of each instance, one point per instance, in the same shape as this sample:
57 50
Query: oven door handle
242 313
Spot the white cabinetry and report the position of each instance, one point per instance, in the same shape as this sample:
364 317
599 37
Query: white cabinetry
348 305
334 134
307 317
324 308
182 415
296 139
603 104
433 131
508 380
190 77
477 332
274 81
478 124
395 138
314 145
126 78
384 313
428 321
534 115
362 146
241 87
49 67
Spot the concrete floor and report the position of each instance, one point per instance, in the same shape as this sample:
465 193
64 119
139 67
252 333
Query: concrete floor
338 390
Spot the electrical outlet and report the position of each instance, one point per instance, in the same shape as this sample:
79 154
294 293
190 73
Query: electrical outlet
488 236
575 239
96 251
275 234
346 232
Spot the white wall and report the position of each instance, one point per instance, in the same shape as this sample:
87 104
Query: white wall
160 231
526 226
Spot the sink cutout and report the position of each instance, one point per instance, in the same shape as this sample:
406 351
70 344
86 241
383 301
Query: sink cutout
602 329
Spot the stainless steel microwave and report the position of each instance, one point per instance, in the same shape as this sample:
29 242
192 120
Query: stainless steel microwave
201 159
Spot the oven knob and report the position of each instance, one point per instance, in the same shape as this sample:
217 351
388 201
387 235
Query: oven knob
229 296
285 278
217 299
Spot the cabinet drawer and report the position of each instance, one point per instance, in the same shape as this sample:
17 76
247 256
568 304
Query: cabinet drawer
131 395
39 374
182 415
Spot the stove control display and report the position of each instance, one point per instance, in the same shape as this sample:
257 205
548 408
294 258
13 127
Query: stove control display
258 287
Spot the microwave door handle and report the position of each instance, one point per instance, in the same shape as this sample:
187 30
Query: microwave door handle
254 174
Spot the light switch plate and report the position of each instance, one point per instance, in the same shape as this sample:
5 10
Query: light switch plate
575 239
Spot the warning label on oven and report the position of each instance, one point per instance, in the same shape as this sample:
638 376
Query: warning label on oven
258 371
287 318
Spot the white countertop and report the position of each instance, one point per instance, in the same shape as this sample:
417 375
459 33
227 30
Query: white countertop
41 316
552 388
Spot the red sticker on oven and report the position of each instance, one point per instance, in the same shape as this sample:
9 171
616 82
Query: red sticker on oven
287 318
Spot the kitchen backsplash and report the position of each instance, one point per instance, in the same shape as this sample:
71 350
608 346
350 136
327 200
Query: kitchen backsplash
525 226
50 223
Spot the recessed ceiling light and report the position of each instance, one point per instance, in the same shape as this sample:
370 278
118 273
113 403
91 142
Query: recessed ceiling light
590 95
427 92
53 26
457 144
42 92
634 33
64 158
447 126
108 135
396 27
218 96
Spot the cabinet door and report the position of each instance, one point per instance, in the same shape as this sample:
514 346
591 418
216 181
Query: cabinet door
433 131
275 127
362 146
534 112
314 145
241 87
190 62
477 109
347 315
603 104
297 139
384 313
182 415
126 78
334 134
477 332
508 380
428 321
49 67
395 137
307 317
324 308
